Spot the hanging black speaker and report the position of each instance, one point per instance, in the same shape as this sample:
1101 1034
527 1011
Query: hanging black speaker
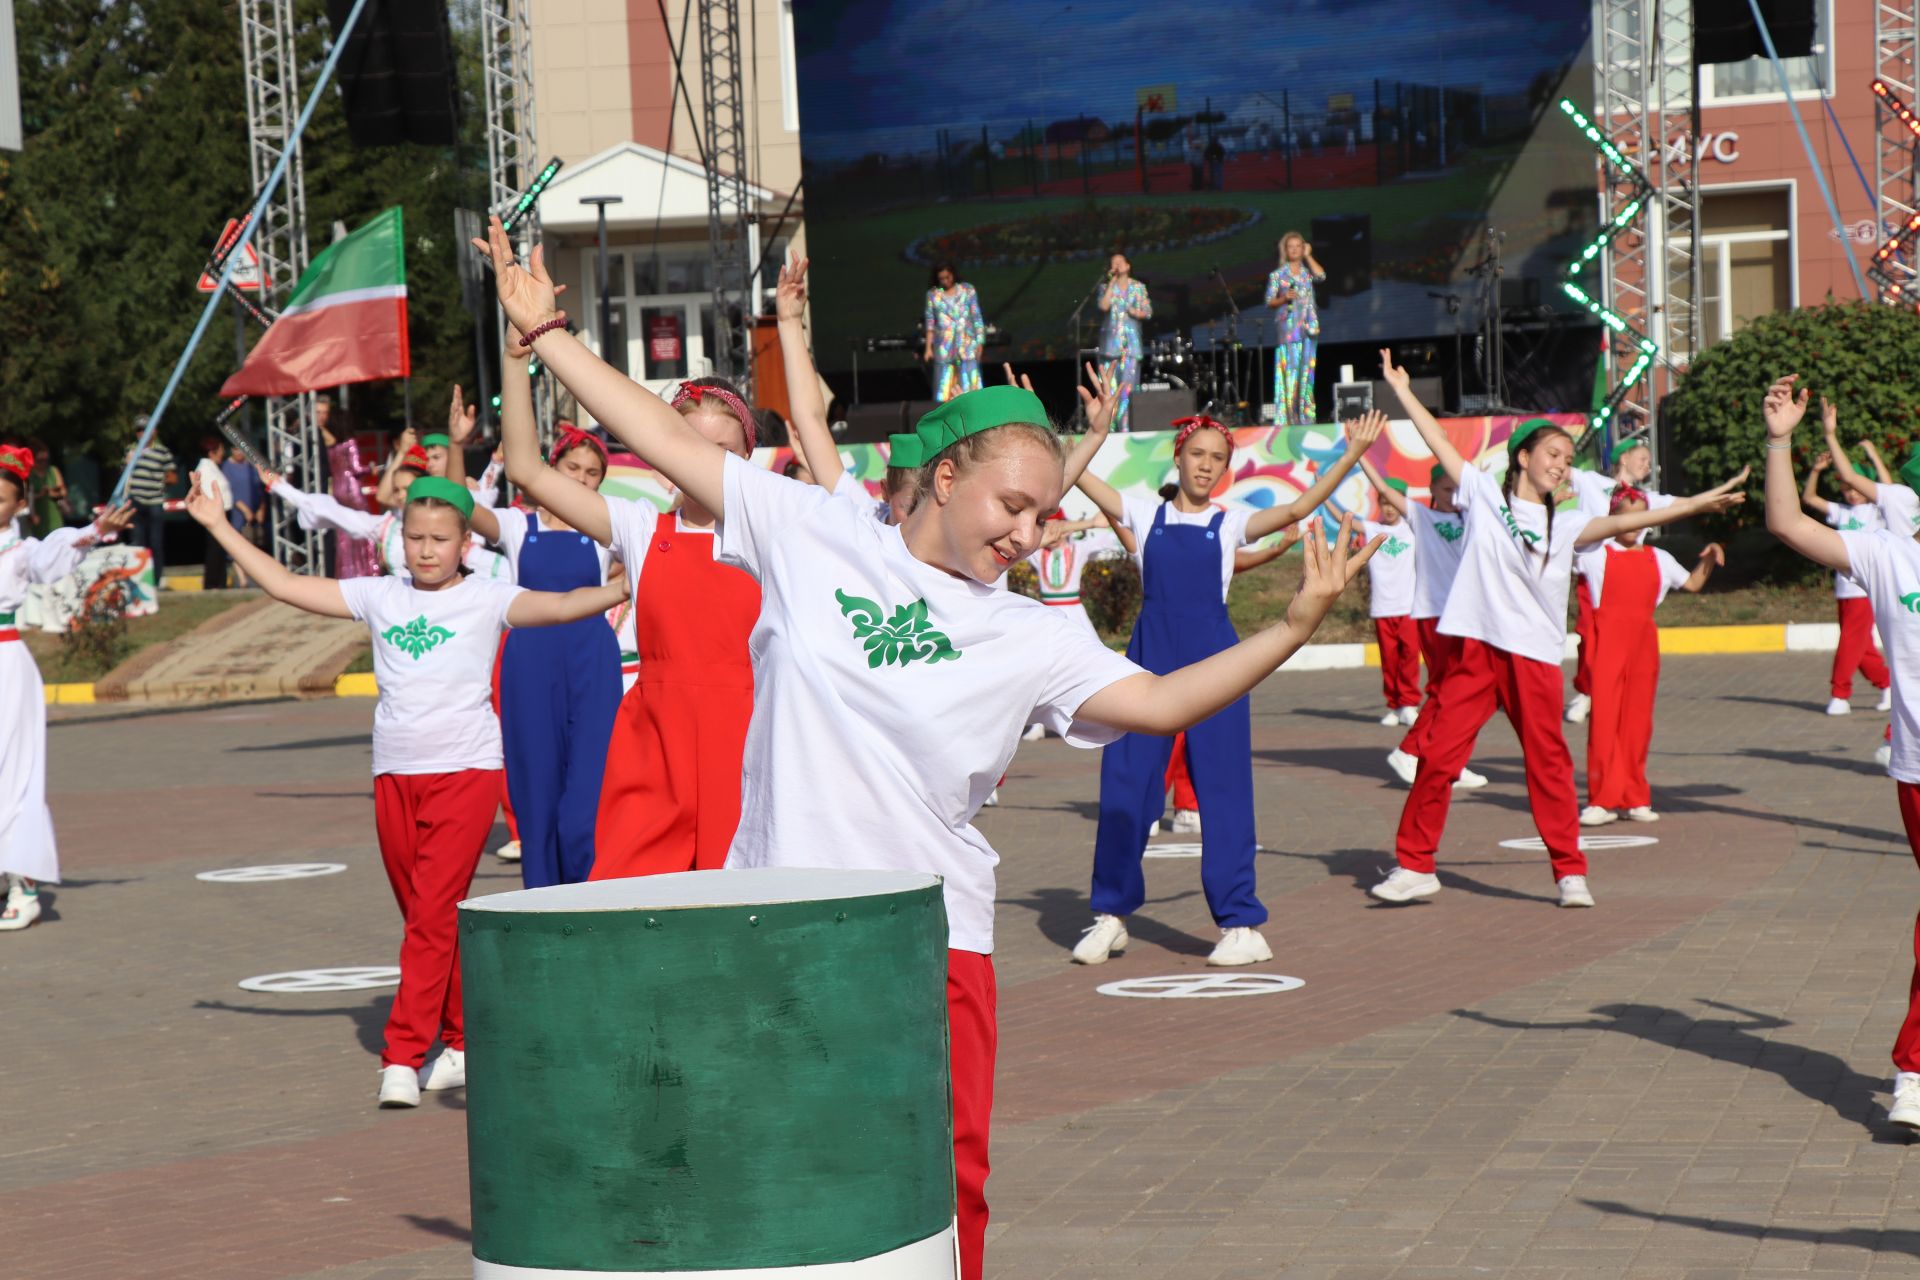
396 73
1724 30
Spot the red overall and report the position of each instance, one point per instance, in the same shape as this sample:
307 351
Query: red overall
1583 627
1626 673
1856 651
671 798
1399 640
1179 781
506 801
1440 653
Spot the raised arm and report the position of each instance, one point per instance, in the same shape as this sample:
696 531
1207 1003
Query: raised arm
1390 496
1843 467
461 419
1167 704
1810 493
579 506
315 595
641 420
1430 431
1099 411
551 608
389 495
811 437
53 557
1361 433
1718 498
1253 557
1785 519
323 510
1711 556
1880 470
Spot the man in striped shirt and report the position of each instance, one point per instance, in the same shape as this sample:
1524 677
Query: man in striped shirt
153 474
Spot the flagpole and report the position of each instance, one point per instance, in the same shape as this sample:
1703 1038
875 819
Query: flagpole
239 251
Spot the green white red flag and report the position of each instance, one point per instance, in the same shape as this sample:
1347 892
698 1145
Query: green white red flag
345 322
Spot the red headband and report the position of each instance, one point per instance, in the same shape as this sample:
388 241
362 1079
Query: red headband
691 394
1183 429
567 438
1622 495
415 458
16 460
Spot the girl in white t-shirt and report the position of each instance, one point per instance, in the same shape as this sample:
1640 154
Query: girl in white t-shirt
1856 650
887 662
1886 564
436 742
1390 604
1185 549
1508 605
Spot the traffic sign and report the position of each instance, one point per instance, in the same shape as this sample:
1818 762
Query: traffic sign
246 275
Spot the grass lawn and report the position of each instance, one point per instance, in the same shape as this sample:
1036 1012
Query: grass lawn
179 613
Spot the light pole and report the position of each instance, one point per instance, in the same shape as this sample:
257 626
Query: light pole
600 275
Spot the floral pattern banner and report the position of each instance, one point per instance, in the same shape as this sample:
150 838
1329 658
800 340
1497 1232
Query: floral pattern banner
53 606
1271 465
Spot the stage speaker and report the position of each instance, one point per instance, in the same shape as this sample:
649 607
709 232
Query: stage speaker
1353 399
1724 30
396 73
1156 410
1428 391
1343 244
874 421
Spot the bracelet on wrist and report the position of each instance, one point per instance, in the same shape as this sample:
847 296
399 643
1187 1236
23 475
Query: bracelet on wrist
558 322
1784 444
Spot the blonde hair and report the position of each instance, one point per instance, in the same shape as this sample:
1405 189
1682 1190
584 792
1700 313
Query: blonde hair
970 451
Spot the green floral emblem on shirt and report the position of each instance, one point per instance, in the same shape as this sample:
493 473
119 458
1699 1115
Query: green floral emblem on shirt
416 637
1453 530
903 637
1393 546
1911 601
1527 536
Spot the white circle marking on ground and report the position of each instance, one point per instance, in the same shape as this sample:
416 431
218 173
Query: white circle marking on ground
275 871
300 981
1175 850
1588 844
1201 986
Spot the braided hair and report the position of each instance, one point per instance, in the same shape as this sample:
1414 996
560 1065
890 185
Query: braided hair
1511 481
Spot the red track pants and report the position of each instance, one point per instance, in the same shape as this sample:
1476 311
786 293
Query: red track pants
1440 652
1626 675
1484 680
1179 781
1857 651
1906 1046
973 1036
432 828
1399 660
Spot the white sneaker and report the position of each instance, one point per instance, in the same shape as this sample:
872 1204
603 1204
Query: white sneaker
1839 707
23 908
1409 714
1469 780
399 1086
1577 708
993 799
1574 892
1905 1110
508 852
1240 946
1642 813
1404 886
1035 732
1886 700
1403 765
1594 816
448 1071
1153 828
1186 822
1392 717
1106 935
1883 754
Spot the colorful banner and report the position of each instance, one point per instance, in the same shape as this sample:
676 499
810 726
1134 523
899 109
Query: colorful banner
54 606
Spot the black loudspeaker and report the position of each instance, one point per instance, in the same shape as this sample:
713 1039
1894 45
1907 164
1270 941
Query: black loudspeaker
1428 391
874 421
396 73
1156 410
1343 244
1724 30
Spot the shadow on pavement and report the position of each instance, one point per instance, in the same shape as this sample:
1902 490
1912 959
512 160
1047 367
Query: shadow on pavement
369 1020
1868 1238
308 744
1063 915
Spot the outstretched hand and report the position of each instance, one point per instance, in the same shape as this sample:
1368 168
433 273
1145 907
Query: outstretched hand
1101 404
1392 374
1364 430
1715 553
1326 573
1829 416
461 418
526 293
1822 461
1782 408
203 506
1023 381
115 520
790 294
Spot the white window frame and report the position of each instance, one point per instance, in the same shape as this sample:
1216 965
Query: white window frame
1822 52
1713 259
789 72
694 342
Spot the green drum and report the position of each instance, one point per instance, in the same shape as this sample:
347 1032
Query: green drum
736 1073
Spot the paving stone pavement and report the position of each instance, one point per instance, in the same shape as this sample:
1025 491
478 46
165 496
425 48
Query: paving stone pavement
1687 1081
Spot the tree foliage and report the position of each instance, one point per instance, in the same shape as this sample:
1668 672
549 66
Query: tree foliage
135 155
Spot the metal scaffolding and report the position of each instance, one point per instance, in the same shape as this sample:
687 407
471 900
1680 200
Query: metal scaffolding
273 104
1645 92
513 153
1896 148
729 214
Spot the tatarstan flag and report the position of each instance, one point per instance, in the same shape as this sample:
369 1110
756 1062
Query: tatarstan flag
346 321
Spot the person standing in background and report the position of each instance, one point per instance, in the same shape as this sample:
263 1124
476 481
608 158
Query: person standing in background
1296 330
50 506
154 472
249 513
1125 302
213 571
954 336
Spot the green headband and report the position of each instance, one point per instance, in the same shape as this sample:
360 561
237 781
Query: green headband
966 415
1525 432
904 451
1436 475
1398 486
454 495
440 438
1910 471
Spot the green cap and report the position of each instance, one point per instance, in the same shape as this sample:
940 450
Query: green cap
971 413
454 495
1398 486
1910 470
1436 475
1524 432
440 438
904 451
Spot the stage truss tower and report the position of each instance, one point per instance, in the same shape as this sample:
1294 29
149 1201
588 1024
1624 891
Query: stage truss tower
513 153
1645 94
273 105
729 215
1896 144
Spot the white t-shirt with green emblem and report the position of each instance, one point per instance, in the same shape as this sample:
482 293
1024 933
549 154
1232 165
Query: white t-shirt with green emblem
433 656
1852 517
1439 540
1390 573
888 696
1511 591
1899 507
1888 565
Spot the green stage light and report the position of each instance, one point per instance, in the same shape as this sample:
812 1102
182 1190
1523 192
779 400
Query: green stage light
1602 144
1618 223
532 194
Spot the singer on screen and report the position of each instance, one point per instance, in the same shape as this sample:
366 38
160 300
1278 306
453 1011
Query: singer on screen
1296 330
955 334
1125 301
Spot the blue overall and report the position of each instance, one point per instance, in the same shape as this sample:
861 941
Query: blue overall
1182 620
559 690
